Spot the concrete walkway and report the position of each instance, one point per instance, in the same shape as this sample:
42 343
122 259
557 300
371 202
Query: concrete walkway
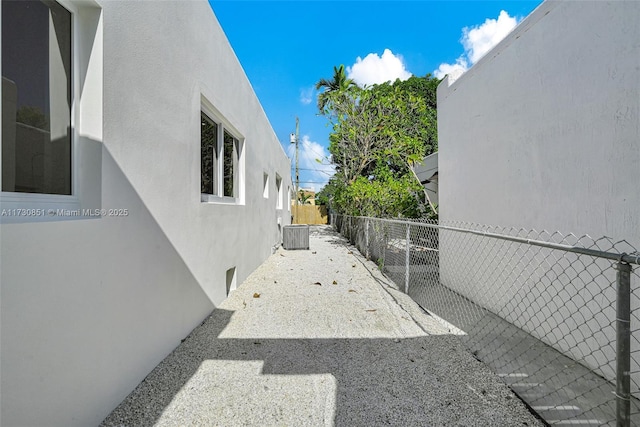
320 338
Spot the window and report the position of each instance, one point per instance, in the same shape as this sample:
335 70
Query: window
52 120
279 189
231 280
209 156
36 98
265 183
231 154
221 168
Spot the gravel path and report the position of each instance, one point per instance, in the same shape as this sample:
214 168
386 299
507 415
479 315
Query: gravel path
320 338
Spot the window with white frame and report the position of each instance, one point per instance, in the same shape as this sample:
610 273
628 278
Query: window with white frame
221 168
279 192
231 156
209 156
52 87
36 98
265 183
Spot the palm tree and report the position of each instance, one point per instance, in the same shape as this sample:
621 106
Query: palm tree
304 197
339 83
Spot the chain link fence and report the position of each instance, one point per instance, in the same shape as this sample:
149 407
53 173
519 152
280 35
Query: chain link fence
556 316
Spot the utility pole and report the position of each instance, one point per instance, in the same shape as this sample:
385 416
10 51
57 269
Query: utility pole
295 138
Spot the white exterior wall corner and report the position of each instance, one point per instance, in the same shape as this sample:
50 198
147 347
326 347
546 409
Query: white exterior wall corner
543 133
90 306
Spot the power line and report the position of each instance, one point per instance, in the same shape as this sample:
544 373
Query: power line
317 170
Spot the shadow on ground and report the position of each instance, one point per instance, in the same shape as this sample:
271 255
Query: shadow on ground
225 374
362 382
561 390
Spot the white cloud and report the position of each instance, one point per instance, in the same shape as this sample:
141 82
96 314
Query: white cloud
374 69
314 163
477 41
306 95
453 70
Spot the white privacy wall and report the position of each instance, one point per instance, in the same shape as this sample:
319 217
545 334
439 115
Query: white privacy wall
543 133
90 306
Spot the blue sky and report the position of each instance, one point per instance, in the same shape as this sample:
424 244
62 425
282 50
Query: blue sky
285 47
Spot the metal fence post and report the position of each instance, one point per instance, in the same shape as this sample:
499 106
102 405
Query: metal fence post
406 260
623 344
366 237
351 229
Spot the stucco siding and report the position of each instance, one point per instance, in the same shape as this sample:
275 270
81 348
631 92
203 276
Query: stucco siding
542 134
543 131
91 305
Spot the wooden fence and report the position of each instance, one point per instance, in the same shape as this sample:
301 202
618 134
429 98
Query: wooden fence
309 214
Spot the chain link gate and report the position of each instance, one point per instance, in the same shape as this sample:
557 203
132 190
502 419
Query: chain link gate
555 316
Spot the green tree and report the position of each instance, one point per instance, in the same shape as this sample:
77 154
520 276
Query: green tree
32 116
304 197
326 194
378 133
338 84
424 88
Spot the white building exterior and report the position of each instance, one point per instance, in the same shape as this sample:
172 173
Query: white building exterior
99 285
427 173
543 133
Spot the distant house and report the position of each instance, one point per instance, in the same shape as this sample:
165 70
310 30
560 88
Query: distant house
427 173
141 182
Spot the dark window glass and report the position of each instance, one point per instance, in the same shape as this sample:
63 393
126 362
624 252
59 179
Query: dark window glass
36 97
230 164
209 155
279 188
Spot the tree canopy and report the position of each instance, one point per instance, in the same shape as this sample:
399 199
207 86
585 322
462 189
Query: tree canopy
338 84
378 132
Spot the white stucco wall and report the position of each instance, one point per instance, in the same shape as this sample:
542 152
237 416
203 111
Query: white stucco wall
90 306
542 133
